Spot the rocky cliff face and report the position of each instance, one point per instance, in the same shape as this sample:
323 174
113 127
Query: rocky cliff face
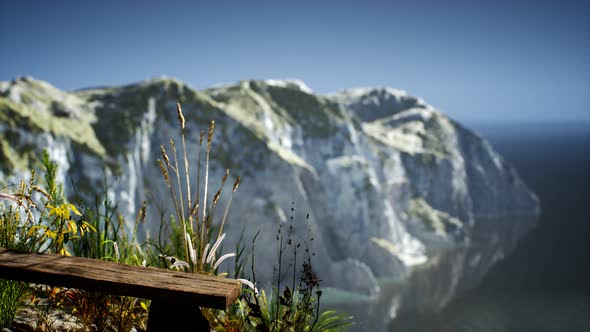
407 207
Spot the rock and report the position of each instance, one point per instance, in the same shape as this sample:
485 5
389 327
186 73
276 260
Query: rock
36 318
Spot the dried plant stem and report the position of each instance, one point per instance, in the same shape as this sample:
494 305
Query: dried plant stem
166 172
180 212
209 139
235 187
225 214
188 184
196 212
215 200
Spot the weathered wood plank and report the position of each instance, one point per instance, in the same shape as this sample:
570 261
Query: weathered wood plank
113 278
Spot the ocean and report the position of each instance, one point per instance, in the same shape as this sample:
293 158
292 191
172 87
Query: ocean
544 285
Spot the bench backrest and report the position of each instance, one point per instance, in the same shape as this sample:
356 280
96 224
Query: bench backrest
120 279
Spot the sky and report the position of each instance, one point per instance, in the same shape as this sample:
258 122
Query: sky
478 61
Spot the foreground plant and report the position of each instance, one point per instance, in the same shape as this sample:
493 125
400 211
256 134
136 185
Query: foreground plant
295 308
294 303
111 241
11 292
35 218
11 300
196 239
38 218
195 236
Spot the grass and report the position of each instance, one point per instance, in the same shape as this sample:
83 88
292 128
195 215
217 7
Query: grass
37 217
294 308
15 236
11 296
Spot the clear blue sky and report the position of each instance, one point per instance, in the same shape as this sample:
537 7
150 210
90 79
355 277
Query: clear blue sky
478 61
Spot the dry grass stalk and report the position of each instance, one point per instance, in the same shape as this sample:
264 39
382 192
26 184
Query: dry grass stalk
165 156
164 172
180 116
195 209
209 140
186 170
199 232
179 212
41 191
216 199
234 188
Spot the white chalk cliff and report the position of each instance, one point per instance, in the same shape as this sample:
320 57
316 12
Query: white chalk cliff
407 207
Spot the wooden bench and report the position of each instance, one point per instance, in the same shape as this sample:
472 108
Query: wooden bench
175 296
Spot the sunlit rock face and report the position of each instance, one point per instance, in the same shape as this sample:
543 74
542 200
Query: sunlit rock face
406 207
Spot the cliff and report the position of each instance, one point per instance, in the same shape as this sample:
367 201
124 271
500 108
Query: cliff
407 207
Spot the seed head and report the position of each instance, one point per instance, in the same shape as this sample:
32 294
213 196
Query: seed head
216 197
222 258
164 171
236 184
41 190
210 137
193 210
249 284
180 116
142 212
165 156
225 177
173 145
